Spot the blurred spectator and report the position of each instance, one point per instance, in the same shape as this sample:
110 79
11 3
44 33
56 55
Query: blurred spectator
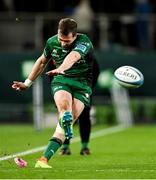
87 21
143 11
83 14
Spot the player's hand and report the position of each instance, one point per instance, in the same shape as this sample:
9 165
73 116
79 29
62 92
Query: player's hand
55 72
19 86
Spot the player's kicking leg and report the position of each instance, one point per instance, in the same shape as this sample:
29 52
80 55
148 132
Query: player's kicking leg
64 101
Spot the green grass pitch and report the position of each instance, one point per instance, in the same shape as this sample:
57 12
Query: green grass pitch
129 154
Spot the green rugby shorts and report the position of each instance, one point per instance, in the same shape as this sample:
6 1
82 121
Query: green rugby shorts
78 88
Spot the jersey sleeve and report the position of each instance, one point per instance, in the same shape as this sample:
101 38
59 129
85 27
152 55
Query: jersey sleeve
83 46
47 51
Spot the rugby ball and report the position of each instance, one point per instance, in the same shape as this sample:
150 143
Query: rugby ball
128 76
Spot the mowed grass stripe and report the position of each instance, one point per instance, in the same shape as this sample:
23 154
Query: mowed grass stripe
95 134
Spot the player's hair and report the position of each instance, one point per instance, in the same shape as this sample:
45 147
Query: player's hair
67 25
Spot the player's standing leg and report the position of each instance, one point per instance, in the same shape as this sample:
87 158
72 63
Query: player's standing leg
85 129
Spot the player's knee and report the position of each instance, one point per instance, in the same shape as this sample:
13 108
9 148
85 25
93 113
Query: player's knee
75 117
64 105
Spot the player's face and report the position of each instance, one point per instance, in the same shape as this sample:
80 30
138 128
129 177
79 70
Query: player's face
66 41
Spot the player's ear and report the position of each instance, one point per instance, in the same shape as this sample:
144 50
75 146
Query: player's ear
75 36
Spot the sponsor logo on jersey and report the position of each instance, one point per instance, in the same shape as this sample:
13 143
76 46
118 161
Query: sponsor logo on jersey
54 51
81 61
81 47
55 54
64 51
87 44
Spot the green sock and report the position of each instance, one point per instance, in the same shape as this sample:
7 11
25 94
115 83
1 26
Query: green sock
52 147
84 145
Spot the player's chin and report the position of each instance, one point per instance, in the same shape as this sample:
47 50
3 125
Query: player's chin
65 47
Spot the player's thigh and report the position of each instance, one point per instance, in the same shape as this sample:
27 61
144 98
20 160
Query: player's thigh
82 92
77 108
63 100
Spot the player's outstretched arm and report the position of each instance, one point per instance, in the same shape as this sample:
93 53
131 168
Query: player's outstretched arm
68 62
37 69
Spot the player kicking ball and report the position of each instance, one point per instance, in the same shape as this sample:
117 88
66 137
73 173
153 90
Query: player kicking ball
71 85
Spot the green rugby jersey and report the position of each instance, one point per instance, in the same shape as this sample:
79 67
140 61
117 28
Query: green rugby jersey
82 44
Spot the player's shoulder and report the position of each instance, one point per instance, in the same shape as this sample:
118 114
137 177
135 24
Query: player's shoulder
81 36
83 39
53 40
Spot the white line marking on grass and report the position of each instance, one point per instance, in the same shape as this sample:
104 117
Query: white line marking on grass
31 151
95 134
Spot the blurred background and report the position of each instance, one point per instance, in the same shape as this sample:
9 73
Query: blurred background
123 33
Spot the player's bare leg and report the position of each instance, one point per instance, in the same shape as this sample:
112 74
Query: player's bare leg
59 134
63 100
77 109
